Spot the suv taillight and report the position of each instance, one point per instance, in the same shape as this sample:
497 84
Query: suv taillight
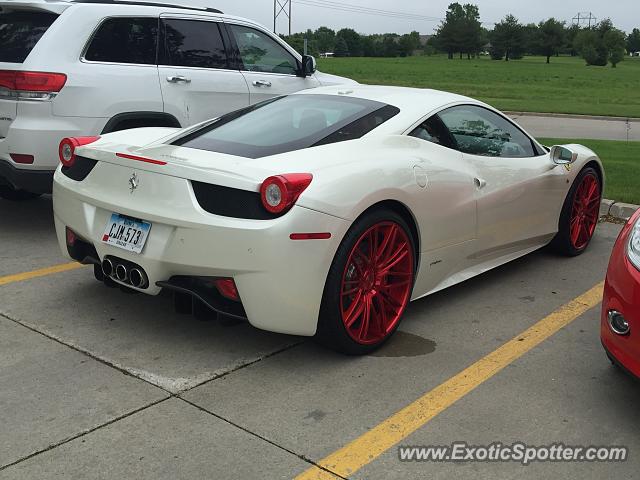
31 85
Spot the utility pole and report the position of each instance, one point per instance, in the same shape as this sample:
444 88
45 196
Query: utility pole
281 7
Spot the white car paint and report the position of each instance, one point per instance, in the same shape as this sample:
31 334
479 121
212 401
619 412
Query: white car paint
472 213
96 92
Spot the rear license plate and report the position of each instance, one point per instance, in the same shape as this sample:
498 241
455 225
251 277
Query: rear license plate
126 233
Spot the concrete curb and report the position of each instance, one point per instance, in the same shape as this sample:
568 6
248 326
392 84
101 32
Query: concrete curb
619 210
569 115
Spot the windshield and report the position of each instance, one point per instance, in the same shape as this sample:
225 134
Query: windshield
290 123
19 33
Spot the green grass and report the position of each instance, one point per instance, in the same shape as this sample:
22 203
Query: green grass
621 163
528 85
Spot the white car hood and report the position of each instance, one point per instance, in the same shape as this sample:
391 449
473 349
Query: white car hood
326 79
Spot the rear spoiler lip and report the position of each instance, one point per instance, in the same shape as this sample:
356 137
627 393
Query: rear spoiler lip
57 7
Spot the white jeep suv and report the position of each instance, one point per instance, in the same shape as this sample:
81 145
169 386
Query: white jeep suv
85 67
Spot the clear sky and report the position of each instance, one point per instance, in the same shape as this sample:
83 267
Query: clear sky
624 13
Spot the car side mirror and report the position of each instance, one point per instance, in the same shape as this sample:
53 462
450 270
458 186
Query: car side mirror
307 66
562 155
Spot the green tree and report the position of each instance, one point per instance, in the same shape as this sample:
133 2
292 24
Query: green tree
431 47
325 39
471 33
571 34
551 37
508 37
633 41
601 44
369 46
531 39
390 46
615 41
589 44
448 34
341 49
461 31
352 39
408 43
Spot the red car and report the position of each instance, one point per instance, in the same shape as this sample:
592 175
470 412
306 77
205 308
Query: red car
620 325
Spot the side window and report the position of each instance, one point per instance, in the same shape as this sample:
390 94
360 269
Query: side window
192 43
362 126
260 53
125 40
479 131
433 130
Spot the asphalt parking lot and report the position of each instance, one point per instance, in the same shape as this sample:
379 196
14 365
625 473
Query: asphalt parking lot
95 383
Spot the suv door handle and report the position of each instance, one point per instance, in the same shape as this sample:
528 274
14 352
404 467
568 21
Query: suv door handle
261 83
178 79
480 183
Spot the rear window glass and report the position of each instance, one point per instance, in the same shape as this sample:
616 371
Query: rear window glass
19 33
290 123
125 40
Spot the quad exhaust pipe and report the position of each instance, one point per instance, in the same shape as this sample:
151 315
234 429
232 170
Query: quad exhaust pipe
122 273
137 278
107 267
125 272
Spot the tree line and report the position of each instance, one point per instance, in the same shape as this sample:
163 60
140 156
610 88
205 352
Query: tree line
349 43
462 34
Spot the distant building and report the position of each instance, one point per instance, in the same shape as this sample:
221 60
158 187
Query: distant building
327 55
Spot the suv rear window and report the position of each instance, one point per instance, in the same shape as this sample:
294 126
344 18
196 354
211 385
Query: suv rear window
125 40
19 33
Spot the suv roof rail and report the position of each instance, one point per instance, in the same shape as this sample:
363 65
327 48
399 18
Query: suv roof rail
150 4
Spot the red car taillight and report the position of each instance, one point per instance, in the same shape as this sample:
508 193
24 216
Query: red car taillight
227 288
279 193
67 149
32 84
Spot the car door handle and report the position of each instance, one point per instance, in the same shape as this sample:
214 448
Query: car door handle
480 183
178 79
261 83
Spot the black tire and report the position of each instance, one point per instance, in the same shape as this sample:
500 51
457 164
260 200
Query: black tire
11 194
562 243
331 331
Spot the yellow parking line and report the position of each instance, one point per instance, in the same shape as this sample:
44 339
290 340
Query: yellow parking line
21 277
399 426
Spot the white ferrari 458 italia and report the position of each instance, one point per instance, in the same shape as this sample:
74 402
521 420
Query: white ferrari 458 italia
322 213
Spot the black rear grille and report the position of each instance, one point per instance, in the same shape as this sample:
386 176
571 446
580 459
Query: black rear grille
230 202
80 169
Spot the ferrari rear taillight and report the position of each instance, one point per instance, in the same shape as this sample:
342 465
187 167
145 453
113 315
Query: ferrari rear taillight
67 149
279 193
31 85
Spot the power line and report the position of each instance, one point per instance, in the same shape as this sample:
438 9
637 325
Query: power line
366 10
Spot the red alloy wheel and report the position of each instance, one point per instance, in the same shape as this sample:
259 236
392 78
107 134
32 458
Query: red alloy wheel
376 283
584 213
